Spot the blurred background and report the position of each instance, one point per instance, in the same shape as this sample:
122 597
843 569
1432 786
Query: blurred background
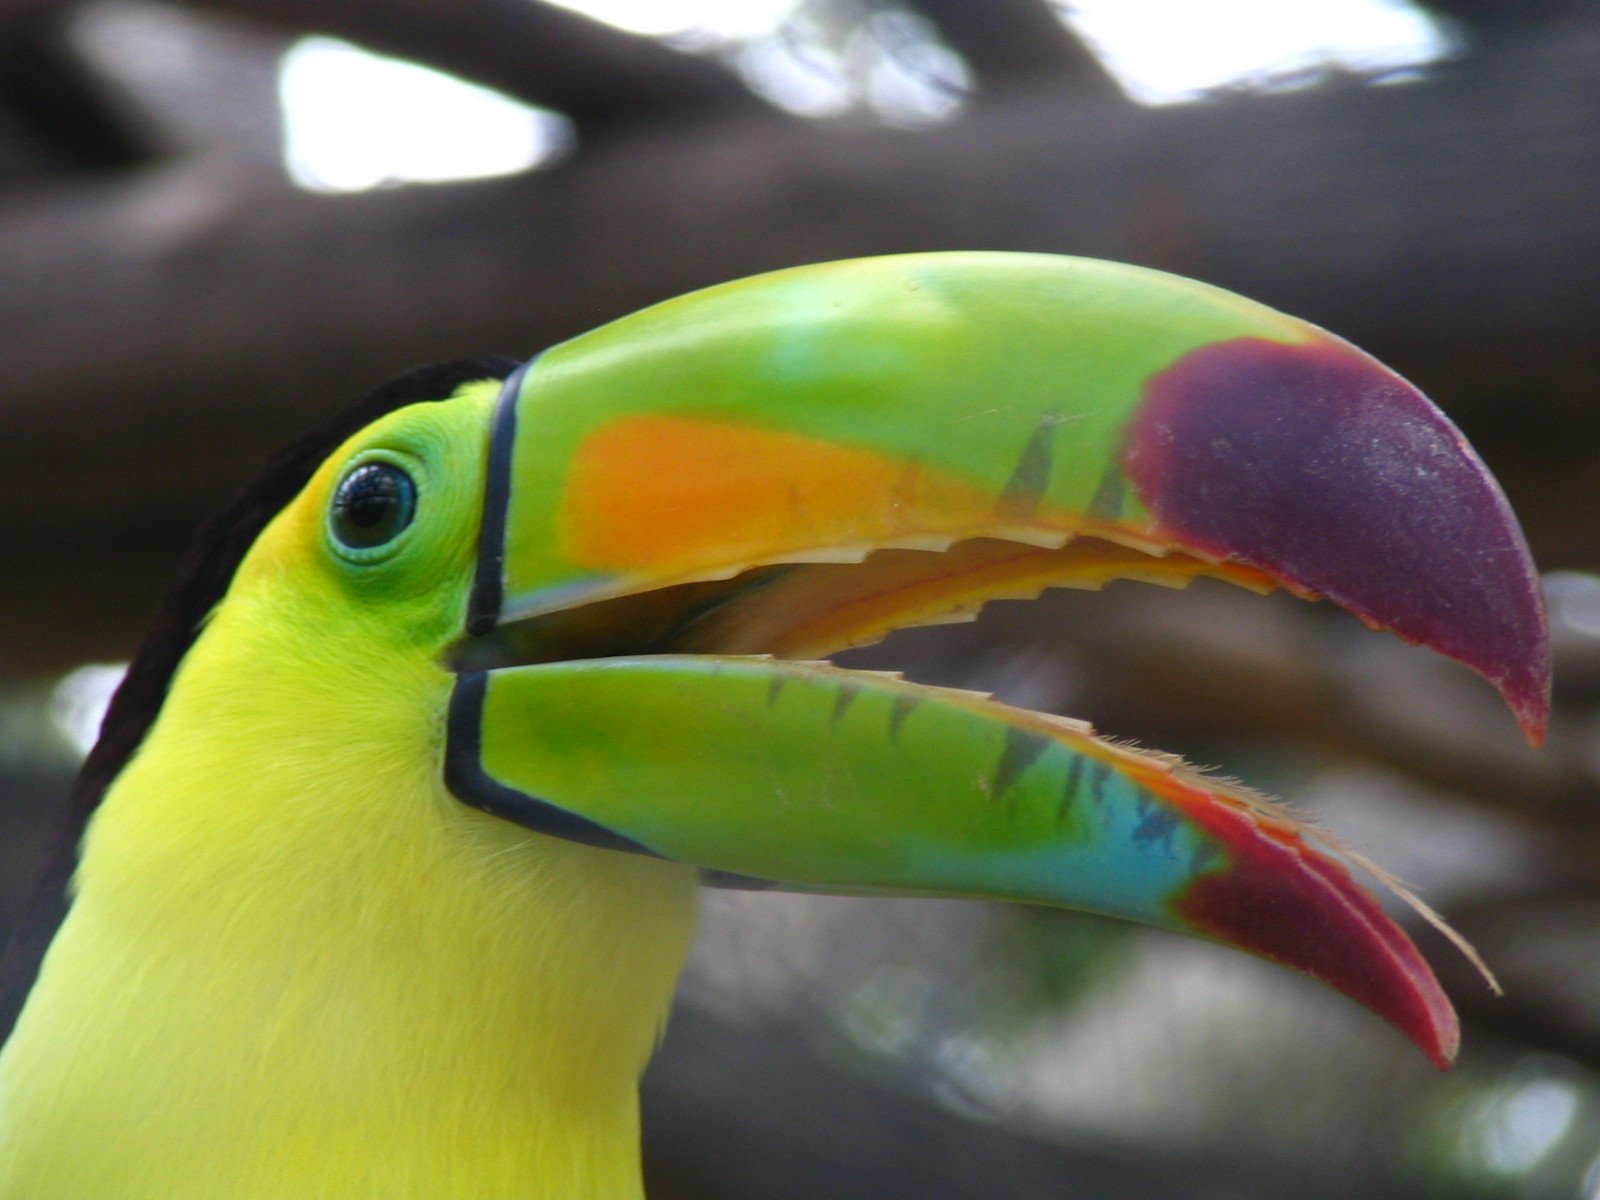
221 220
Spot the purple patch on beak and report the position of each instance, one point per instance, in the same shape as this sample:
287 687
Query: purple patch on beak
1323 468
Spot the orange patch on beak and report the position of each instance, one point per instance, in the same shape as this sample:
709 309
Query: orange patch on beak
739 494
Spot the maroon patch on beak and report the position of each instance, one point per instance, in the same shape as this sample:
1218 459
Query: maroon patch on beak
1283 900
1323 468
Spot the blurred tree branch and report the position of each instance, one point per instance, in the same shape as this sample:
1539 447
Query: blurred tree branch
1220 665
71 119
739 1110
199 315
1539 941
1498 20
599 76
1218 662
1012 43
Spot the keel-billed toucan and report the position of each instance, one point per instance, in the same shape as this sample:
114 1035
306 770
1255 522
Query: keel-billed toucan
391 843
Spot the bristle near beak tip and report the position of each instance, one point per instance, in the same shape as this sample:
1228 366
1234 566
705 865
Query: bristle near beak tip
1288 903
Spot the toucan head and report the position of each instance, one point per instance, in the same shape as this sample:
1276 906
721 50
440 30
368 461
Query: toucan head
615 572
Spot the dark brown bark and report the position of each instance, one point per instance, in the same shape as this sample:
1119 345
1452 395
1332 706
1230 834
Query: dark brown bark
78 121
1011 43
197 317
735 1110
599 76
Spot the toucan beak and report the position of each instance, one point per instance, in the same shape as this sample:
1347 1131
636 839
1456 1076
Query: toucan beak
684 503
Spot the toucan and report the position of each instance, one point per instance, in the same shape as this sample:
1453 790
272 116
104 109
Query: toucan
380 876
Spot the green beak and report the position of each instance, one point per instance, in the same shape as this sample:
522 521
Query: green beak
683 503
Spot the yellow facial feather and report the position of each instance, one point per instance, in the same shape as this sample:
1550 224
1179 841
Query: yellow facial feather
237 896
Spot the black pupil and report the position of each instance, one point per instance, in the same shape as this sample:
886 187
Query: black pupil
373 504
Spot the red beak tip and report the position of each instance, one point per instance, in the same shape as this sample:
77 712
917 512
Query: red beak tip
1283 899
1265 452
1533 714
1443 1045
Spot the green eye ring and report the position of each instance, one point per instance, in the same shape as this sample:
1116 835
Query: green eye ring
373 506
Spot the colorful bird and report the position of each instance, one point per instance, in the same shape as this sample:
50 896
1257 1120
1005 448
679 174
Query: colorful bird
391 843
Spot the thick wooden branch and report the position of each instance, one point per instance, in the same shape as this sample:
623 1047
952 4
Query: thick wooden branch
599 76
733 1111
23 157
1011 43
1497 20
163 335
602 77
77 118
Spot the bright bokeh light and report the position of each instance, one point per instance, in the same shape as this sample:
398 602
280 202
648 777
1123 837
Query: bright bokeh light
1170 51
1516 1127
1574 600
892 66
78 703
355 120
721 20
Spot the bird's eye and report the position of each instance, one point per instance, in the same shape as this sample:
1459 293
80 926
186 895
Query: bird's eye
373 505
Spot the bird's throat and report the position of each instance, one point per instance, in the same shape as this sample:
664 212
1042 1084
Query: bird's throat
315 974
